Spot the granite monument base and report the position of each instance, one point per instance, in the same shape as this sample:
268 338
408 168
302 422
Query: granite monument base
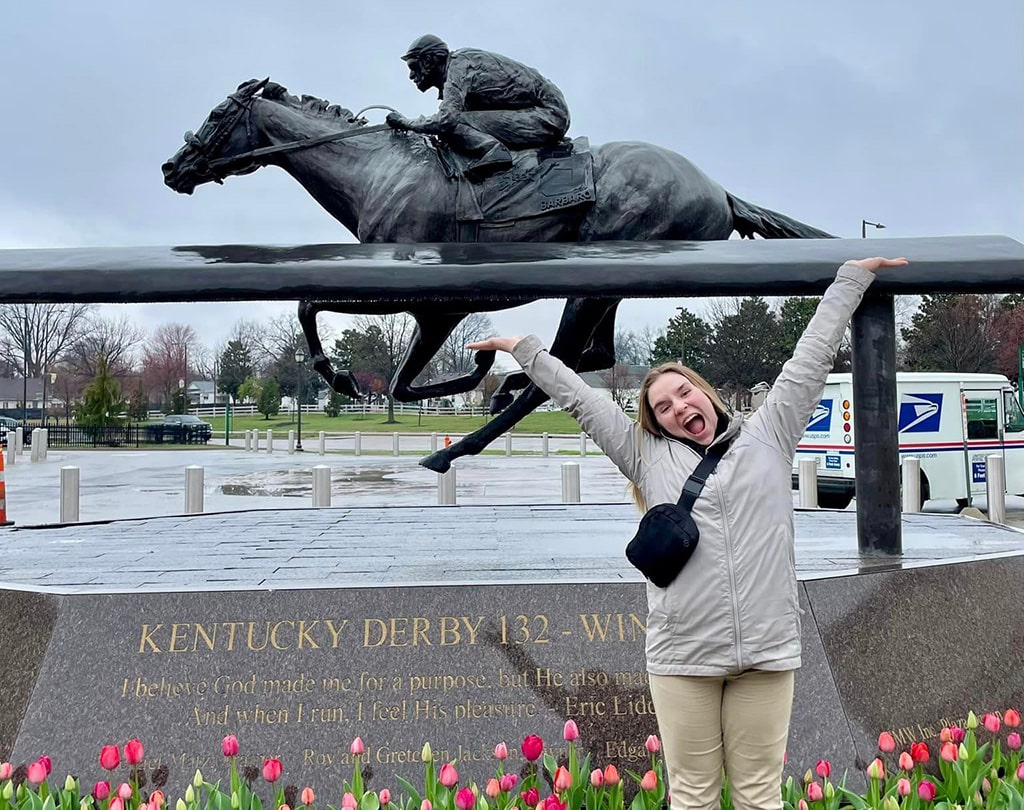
298 674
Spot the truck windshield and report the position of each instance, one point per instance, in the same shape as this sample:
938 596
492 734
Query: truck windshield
1014 415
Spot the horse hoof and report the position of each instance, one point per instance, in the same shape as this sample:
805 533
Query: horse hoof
484 359
438 462
499 402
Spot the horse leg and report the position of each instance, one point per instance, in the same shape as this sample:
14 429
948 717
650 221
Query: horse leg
430 335
568 346
344 382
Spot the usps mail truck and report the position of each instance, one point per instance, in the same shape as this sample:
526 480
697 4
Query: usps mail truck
950 421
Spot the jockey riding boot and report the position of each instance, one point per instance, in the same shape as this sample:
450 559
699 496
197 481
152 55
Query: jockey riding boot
491 154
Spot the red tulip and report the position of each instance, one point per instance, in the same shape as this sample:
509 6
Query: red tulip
384 796
611 775
308 796
563 780
823 768
957 734
653 744
507 782
464 799
570 731
533 747
903 787
272 769
110 757
1013 741
926 790
919 751
650 781
1011 717
36 773
991 722
449 777
906 761
133 752
100 791
552 803
886 743
597 777
531 797
501 751
357 746
46 763
948 752
229 745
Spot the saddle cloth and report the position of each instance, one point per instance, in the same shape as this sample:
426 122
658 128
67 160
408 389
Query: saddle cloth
540 182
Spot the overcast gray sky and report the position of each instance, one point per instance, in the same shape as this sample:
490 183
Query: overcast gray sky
908 113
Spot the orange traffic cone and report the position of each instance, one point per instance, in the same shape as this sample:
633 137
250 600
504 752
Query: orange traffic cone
3 495
447 444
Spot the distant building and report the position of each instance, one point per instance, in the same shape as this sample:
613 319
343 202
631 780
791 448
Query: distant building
13 396
205 392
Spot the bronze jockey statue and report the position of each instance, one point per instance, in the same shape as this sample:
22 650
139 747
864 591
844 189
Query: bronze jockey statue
489 104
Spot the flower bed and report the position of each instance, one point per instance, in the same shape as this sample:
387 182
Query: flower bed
966 773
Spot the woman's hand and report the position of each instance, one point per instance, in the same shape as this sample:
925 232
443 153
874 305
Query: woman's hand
874 263
495 344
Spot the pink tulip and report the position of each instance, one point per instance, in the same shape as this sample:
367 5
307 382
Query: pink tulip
986 786
570 731
886 743
36 773
650 781
449 777
157 799
426 805
903 787
385 797
272 769
957 734
357 746
876 770
1011 718
533 747
597 777
6 769
611 775
465 800
948 752
653 744
926 790
1013 741
507 783
814 792
946 735
1020 772
284 807
308 796
124 790
906 762
133 752
531 797
229 745
46 763
117 803
991 722
823 768
801 805
493 788
501 751
552 803
563 779
110 757
100 791
348 801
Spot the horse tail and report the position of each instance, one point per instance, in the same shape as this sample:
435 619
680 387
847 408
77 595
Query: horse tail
750 219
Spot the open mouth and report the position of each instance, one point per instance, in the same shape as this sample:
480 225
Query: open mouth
694 424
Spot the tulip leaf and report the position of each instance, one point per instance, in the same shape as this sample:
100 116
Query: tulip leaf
410 790
855 799
256 803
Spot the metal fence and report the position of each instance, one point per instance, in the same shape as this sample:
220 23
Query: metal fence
129 435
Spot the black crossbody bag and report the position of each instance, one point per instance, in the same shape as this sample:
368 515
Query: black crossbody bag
667 535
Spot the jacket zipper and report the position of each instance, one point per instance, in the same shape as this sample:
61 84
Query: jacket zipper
732 581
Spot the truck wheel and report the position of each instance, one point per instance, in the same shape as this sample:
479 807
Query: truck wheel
834 500
961 504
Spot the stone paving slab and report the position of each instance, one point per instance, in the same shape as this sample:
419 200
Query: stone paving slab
375 546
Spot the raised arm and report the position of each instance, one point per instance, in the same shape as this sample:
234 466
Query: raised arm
604 421
783 417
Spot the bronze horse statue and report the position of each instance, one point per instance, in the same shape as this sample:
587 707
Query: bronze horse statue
387 186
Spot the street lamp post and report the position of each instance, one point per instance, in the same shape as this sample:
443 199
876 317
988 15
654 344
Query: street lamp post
53 379
300 358
682 337
864 227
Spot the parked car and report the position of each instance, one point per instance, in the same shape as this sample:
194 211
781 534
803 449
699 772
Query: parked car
6 424
181 428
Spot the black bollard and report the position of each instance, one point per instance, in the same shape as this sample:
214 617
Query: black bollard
875 421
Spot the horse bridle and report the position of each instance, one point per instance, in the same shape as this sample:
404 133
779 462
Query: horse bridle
219 168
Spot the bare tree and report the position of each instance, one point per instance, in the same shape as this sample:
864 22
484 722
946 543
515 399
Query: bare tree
34 336
167 358
636 347
396 332
622 383
454 358
113 340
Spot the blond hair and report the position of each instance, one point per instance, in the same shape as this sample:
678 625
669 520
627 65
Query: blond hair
648 422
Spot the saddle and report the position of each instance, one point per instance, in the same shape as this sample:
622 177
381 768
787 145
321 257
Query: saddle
540 182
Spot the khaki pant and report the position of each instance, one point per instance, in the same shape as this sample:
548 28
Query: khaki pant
739 722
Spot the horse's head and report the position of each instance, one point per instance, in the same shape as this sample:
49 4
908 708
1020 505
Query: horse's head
220 136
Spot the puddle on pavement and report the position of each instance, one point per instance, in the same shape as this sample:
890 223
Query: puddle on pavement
299 483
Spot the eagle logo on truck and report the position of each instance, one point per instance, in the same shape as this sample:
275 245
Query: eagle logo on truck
920 413
821 419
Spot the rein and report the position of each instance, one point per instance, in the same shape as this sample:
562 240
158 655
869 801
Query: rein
294 146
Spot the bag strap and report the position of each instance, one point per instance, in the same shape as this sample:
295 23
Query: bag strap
695 483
